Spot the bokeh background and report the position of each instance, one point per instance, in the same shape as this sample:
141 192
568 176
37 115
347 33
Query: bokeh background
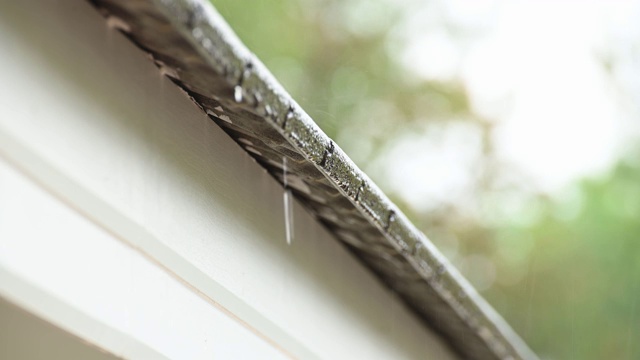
506 130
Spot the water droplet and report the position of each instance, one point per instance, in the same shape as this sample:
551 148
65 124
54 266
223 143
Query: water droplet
237 93
197 33
207 44
288 205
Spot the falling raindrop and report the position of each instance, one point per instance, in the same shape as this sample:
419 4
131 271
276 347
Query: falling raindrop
287 198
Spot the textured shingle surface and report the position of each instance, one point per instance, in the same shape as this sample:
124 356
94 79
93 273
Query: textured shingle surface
193 46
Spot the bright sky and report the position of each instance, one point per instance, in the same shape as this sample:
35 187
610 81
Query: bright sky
536 68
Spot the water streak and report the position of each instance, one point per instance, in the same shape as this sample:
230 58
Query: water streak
288 204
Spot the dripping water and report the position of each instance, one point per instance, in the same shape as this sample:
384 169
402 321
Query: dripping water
288 204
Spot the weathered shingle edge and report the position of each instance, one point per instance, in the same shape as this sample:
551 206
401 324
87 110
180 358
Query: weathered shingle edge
193 45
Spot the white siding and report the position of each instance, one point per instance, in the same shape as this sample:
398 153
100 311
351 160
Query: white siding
72 267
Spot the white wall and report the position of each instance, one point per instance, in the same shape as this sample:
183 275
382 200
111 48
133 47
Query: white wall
87 117
59 265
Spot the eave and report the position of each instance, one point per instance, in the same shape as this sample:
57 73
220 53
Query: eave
193 46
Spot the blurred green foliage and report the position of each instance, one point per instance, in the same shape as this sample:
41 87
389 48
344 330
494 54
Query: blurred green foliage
566 271
579 297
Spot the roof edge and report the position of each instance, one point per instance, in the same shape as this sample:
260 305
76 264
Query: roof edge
202 55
